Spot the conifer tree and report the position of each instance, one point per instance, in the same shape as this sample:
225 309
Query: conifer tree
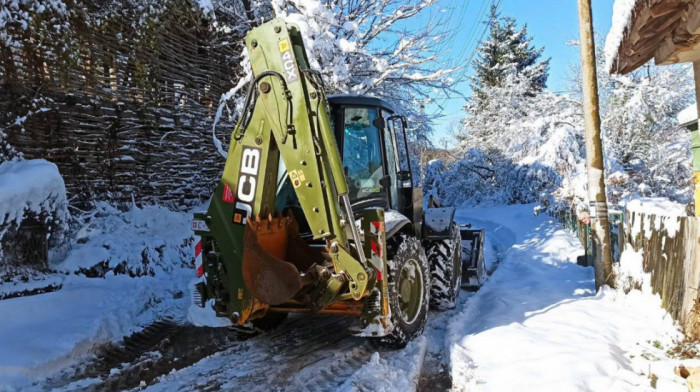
506 51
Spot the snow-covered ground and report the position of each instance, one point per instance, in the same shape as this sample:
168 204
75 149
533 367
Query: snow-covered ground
536 324
41 334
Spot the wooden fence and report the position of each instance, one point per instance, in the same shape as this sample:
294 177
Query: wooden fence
671 255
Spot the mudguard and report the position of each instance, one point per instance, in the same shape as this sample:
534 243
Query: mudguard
437 223
395 222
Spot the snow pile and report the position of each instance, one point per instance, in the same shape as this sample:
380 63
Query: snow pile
33 192
537 323
397 372
630 271
41 334
622 16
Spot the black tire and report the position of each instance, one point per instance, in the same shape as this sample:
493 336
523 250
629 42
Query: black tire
405 254
269 321
445 259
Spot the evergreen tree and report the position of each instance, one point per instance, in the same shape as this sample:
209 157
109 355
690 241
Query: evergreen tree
508 51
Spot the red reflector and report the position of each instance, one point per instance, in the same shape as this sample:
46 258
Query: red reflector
379 275
376 248
198 249
227 197
200 270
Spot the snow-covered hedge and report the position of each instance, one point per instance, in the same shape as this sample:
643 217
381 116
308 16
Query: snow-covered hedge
32 192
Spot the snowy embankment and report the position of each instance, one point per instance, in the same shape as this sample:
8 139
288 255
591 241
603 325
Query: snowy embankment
537 323
42 334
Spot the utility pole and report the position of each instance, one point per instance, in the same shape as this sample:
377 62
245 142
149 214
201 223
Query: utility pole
600 228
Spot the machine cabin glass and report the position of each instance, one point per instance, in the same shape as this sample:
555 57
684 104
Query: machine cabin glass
362 153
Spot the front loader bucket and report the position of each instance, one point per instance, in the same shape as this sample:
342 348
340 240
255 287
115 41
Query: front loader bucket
473 269
267 244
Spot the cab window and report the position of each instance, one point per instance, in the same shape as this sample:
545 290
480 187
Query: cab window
362 153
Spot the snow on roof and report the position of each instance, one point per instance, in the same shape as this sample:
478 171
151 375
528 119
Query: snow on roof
622 16
688 115
31 185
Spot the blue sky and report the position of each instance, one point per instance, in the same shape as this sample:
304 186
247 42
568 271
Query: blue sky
551 23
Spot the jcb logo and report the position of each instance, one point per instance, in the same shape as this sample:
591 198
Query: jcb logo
247 184
288 61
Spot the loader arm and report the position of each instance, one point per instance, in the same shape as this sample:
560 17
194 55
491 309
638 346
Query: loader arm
285 116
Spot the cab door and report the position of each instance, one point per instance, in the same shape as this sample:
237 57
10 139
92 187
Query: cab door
362 143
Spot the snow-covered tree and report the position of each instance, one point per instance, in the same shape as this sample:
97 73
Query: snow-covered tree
516 147
649 151
365 47
508 50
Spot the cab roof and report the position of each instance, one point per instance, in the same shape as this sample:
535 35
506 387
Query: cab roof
359 100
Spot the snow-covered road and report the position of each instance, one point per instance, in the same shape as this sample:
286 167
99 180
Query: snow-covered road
535 325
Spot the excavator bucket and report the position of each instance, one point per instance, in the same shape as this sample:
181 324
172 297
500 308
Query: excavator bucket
267 244
268 277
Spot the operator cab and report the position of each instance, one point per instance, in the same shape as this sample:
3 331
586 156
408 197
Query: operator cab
372 142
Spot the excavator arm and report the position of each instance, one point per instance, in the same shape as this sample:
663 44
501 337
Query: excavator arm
253 256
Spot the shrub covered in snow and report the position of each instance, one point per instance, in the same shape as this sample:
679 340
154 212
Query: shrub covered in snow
139 242
516 147
32 201
648 152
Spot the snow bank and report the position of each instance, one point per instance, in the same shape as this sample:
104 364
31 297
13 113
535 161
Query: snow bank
30 186
622 16
141 241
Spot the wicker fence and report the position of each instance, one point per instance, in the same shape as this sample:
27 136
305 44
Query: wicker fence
121 98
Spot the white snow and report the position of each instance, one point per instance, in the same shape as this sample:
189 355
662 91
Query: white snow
394 372
622 15
656 206
42 334
30 185
667 215
688 115
537 323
